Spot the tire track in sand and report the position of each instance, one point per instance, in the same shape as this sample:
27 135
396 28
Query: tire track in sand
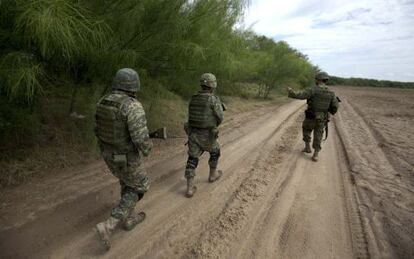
383 198
174 218
306 217
289 207
70 203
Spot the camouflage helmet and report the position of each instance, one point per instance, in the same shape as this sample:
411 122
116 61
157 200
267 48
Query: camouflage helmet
126 79
209 80
322 76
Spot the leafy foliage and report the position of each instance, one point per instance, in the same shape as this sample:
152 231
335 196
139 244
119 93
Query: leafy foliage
20 75
58 29
65 53
170 41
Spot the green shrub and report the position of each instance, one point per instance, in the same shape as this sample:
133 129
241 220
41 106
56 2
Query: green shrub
19 125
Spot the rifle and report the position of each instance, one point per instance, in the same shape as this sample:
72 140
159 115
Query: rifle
327 122
326 129
159 133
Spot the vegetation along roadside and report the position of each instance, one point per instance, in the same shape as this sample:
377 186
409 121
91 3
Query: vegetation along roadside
57 58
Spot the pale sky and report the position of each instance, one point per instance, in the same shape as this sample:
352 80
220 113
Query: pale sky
358 38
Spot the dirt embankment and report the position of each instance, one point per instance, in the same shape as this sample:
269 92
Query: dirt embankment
377 128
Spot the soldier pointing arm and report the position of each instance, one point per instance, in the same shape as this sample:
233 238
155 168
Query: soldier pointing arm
321 101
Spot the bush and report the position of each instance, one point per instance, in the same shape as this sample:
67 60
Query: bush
19 125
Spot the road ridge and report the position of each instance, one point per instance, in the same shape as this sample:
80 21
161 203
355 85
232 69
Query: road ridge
358 228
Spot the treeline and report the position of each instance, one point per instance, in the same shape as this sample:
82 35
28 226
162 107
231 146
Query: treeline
56 53
172 41
369 82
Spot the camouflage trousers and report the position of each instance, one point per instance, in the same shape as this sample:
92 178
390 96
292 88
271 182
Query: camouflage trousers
129 169
318 127
200 141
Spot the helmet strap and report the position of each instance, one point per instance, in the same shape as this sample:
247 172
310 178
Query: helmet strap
206 88
129 93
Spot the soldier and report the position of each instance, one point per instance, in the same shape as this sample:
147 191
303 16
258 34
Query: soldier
124 141
205 113
320 101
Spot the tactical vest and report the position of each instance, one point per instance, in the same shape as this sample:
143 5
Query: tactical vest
112 128
321 99
200 112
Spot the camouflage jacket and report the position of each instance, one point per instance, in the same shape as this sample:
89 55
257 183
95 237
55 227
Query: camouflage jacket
133 115
320 99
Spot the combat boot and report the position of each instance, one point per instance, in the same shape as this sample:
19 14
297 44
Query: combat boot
105 229
307 148
214 175
315 156
191 188
133 219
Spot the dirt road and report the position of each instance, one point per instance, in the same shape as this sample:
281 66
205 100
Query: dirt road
272 202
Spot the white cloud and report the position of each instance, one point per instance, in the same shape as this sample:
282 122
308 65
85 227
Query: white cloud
366 38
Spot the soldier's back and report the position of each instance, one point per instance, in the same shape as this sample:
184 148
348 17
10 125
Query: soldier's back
200 112
111 127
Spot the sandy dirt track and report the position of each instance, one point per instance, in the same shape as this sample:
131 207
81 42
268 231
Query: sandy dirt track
272 201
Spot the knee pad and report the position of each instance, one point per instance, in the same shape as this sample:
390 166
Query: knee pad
215 155
192 162
129 189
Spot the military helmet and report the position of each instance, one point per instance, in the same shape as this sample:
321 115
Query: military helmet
322 76
126 79
209 80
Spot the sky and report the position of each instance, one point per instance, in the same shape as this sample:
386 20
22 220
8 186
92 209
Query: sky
347 38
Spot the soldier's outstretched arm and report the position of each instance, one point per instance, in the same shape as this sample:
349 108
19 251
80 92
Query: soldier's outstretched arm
137 126
302 95
218 109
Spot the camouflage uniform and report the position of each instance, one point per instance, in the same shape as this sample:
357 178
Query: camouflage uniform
320 101
124 140
204 138
205 113
122 133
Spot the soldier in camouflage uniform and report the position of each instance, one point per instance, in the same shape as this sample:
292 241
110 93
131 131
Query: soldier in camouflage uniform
124 141
321 101
205 113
